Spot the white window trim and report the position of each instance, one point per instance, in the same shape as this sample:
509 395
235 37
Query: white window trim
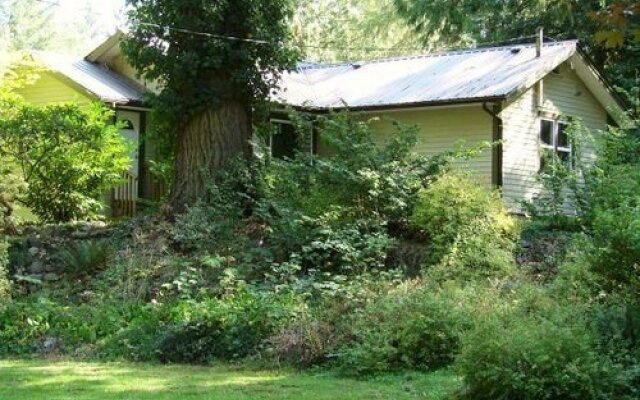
554 138
276 122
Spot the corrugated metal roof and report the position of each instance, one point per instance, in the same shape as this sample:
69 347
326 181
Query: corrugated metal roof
106 85
456 76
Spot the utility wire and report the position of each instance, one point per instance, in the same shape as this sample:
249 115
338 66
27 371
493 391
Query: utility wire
322 46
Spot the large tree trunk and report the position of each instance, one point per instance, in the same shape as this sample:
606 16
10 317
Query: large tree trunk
208 142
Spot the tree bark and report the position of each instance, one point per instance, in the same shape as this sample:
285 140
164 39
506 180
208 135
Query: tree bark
208 142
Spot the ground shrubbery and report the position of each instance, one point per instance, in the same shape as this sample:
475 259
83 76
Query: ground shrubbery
531 357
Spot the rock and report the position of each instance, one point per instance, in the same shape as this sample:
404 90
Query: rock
48 267
80 234
36 267
50 277
87 295
33 250
50 344
34 241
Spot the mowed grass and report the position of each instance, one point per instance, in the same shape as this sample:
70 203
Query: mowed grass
64 380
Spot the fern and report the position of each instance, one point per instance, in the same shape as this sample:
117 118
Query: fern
85 257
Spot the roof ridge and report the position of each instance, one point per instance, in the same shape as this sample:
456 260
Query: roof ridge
308 65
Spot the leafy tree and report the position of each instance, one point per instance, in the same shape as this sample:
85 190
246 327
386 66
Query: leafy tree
618 22
68 157
337 30
473 22
28 24
211 82
44 25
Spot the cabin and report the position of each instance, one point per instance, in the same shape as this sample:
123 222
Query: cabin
520 96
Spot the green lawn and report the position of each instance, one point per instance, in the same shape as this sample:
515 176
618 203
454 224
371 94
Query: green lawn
49 380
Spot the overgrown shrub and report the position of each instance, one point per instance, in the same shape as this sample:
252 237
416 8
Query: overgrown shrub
338 212
410 328
615 228
469 229
68 155
227 328
304 342
532 357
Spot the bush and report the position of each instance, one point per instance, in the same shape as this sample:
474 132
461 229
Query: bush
73 156
617 254
26 325
410 328
519 356
469 228
304 342
228 328
477 252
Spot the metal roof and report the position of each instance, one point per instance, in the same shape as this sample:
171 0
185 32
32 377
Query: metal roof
446 77
106 85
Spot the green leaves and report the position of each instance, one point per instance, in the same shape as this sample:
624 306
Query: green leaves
208 52
68 156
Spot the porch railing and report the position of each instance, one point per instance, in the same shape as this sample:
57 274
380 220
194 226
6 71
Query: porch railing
123 197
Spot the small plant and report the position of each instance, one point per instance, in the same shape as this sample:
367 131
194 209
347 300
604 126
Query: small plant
5 287
85 257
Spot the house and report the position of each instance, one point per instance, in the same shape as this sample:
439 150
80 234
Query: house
518 95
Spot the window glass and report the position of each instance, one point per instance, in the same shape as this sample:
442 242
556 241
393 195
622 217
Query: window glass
565 157
563 138
284 142
126 124
546 132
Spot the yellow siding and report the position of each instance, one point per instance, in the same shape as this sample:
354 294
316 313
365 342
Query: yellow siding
445 129
564 95
120 65
49 89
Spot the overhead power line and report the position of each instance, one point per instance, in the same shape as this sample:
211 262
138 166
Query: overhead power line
320 46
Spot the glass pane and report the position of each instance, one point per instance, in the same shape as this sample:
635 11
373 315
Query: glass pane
543 164
546 132
546 159
563 138
565 158
285 142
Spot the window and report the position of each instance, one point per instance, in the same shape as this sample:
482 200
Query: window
554 140
127 124
285 141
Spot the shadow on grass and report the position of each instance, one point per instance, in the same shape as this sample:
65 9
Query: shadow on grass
69 380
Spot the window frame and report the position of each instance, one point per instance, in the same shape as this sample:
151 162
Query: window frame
554 146
277 122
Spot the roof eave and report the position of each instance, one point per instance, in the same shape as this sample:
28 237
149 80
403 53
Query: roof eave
105 46
396 106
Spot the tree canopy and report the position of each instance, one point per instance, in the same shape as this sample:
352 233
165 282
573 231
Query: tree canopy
216 60
206 52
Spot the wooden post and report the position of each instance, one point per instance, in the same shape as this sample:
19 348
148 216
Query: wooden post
539 42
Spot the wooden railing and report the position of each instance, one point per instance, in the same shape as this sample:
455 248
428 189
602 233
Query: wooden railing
123 197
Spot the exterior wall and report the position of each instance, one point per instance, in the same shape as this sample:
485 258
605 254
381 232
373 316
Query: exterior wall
564 95
49 89
120 65
443 129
